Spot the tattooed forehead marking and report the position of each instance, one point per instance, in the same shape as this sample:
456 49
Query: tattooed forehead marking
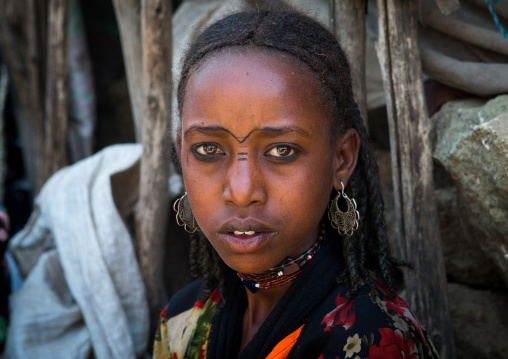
242 140
244 154
268 130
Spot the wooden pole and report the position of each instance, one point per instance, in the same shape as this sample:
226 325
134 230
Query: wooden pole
23 43
409 124
153 211
347 22
36 62
128 18
57 87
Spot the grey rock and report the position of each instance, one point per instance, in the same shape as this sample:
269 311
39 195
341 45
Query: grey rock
479 322
465 262
471 144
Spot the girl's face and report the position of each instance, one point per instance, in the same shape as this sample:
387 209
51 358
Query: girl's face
257 159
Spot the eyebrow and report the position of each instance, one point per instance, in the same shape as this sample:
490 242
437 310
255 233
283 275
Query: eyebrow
267 131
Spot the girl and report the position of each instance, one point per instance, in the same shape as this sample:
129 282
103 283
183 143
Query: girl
283 191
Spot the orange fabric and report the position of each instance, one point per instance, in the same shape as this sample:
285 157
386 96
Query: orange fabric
283 348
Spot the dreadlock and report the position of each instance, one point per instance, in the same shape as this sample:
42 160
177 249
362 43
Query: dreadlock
301 38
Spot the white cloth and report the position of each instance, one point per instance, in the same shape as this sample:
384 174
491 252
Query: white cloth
83 295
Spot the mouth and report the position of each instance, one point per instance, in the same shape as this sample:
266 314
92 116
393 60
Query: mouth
247 233
245 236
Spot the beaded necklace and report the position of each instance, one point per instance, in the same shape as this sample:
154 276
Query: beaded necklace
283 273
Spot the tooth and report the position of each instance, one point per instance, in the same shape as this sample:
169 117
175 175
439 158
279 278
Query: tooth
248 233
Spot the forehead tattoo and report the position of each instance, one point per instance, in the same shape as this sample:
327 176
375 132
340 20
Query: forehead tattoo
242 140
270 131
273 131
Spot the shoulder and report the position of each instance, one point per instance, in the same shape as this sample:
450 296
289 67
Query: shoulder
372 325
184 324
183 300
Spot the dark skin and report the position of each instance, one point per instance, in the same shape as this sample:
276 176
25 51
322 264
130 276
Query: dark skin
259 164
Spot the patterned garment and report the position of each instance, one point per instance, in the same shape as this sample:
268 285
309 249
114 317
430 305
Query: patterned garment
393 331
185 335
311 321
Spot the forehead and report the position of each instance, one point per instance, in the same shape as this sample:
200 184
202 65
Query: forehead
263 66
256 85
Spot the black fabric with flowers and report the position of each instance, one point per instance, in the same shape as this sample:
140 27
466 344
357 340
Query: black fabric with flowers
314 320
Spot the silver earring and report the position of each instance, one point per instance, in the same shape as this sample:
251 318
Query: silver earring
184 216
345 222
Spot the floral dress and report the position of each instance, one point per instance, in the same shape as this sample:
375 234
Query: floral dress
312 320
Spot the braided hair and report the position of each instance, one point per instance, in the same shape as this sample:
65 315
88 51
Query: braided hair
301 38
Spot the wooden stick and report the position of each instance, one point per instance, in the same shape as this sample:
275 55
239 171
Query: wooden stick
347 22
35 61
152 215
419 236
57 87
24 52
128 17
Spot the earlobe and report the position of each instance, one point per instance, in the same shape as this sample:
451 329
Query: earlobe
346 157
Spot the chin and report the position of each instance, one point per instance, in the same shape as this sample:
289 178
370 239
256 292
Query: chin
248 266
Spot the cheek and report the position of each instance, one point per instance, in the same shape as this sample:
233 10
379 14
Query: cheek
304 192
204 191
200 190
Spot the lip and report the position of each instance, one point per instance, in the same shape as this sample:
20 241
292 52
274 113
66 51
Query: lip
246 244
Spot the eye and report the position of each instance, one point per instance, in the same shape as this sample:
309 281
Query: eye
281 151
208 149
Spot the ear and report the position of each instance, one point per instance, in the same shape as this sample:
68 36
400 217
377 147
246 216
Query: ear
345 157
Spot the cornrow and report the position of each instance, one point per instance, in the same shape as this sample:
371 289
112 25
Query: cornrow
298 37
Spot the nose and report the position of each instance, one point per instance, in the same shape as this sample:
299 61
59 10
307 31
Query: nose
244 184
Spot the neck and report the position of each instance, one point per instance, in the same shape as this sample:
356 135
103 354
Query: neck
284 273
259 306
265 291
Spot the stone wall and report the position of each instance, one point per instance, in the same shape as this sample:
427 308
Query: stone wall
470 141
471 171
